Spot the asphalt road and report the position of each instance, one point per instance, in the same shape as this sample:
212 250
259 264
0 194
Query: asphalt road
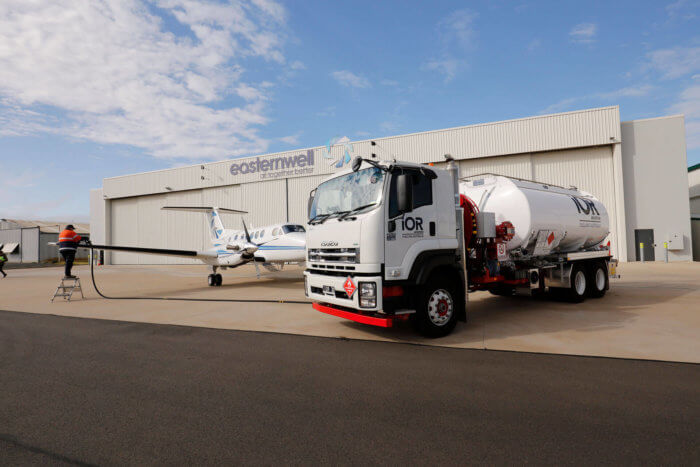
81 391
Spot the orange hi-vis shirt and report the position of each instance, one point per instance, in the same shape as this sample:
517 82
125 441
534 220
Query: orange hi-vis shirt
68 240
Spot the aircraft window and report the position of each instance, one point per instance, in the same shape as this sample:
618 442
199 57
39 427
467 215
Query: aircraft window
236 237
293 228
276 232
262 234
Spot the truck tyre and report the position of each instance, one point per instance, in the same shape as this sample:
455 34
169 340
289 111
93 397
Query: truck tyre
437 311
597 279
579 284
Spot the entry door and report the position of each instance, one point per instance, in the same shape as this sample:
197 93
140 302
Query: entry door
645 236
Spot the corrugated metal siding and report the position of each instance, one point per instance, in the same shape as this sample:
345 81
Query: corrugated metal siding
592 127
266 202
513 166
589 169
12 236
124 229
30 245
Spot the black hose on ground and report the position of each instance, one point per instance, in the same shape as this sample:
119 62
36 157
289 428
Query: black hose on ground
183 299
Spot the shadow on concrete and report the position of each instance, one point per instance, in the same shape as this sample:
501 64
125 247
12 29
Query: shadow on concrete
491 317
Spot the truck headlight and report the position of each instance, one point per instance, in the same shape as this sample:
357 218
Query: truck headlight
368 294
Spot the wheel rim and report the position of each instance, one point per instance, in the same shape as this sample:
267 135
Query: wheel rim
580 283
600 279
440 307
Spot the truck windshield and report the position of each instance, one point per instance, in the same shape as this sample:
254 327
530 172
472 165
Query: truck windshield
349 192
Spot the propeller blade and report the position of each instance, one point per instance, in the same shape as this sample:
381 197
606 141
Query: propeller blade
247 235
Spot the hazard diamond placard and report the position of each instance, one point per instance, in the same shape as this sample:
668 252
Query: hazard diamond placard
349 287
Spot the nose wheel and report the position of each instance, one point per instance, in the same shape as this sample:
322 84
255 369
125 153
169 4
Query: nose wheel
215 280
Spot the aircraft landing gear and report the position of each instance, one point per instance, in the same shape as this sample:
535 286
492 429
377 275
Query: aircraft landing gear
215 279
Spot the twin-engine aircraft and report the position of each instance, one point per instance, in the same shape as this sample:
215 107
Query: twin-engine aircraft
272 245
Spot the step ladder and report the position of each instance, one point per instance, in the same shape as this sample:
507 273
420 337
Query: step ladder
66 288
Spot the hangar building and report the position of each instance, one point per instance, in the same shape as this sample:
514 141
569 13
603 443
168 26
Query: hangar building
637 168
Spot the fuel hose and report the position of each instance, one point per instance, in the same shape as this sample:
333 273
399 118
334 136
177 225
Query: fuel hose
185 299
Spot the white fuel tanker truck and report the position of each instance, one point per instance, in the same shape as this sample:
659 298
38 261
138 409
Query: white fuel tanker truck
391 241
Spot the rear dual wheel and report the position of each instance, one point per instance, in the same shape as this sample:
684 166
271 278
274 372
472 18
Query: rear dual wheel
598 279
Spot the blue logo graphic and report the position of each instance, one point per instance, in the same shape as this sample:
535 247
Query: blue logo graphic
344 158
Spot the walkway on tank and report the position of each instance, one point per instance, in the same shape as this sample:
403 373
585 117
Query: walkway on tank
651 313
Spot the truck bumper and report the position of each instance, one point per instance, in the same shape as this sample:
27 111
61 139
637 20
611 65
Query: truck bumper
374 319
330 289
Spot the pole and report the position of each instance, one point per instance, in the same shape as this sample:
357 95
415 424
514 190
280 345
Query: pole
641 251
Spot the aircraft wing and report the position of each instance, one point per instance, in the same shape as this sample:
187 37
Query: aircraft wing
153 251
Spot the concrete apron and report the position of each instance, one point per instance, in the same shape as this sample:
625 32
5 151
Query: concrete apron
652 312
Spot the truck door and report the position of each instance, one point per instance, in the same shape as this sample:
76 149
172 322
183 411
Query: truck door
404 231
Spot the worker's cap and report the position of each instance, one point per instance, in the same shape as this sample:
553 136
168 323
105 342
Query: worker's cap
70 227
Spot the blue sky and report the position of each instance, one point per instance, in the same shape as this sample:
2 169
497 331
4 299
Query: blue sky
91 90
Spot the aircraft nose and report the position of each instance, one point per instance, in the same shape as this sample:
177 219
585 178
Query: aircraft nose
298 239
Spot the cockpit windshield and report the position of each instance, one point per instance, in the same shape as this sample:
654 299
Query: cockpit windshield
348 193
293 228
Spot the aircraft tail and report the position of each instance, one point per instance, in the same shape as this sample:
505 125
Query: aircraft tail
214 224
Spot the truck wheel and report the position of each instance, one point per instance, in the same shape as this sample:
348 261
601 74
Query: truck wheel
598 279
579 284
437 308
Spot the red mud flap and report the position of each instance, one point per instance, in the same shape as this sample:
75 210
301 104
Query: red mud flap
364 319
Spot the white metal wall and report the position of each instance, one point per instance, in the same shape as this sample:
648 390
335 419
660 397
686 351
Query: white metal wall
591 127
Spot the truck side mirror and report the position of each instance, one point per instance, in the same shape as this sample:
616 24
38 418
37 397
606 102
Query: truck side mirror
310 204
404 193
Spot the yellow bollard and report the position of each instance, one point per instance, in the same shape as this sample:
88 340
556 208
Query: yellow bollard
641 251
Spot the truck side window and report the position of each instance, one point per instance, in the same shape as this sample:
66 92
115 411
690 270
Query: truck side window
422 192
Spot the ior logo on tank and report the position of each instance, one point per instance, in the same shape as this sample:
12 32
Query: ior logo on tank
587 207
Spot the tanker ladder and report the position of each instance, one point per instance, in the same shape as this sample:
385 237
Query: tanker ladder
66 288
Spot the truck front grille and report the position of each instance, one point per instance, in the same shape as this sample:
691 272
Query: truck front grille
334 255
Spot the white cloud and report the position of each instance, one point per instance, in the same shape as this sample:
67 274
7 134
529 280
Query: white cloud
583 33
291 139
676 62
109 72
389 82
447 67
534 45
350 79
458 28
297 65
610 97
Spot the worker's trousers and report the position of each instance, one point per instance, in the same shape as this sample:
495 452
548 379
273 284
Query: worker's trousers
69 257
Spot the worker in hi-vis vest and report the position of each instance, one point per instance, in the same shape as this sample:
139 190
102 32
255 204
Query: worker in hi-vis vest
3 260
68 245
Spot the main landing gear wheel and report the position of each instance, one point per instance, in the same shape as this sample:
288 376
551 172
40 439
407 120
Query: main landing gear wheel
437 311
215 280
598 279
219 279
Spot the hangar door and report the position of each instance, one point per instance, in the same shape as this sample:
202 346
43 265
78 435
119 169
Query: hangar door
139 221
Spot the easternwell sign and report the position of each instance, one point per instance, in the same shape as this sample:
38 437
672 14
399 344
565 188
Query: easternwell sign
276 167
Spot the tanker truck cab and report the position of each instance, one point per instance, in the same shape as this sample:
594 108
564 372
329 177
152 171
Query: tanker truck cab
380 234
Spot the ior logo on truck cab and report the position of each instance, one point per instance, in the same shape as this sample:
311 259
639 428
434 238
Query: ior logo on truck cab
329 243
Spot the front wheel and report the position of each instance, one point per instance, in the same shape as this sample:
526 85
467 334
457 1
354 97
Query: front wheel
436 315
